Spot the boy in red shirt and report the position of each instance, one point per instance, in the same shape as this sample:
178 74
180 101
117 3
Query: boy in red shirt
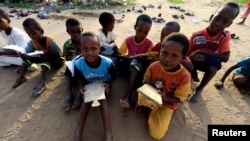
211 46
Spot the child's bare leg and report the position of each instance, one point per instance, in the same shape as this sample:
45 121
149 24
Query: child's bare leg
194 75
21 78
126 100
69 96
242 83
209 74
43 75
78 102
108 136
81 121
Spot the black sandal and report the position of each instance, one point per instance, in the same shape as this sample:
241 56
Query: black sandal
175 16
233 36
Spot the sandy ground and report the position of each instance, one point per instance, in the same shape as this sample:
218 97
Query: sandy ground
23 118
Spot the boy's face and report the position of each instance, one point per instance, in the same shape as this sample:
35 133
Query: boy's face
222 19
141 31
75 32
34 34
171 55
90 49
166 30
111 26
4 23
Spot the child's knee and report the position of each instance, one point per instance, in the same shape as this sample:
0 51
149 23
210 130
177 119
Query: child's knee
157 134
238 81
157 131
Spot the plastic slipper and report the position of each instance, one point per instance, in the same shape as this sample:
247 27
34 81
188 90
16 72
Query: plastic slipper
233 36
124 103
182 10
38 90
19 82
205 20
182 16
175 16
189 14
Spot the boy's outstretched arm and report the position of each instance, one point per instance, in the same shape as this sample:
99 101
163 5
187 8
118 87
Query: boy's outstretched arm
219 84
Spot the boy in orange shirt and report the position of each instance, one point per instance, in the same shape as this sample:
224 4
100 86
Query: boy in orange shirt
172 80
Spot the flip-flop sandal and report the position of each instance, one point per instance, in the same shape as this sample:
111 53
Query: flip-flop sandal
182 10
124 103
233 36
189 14
19 82
175 16
182 16
38 90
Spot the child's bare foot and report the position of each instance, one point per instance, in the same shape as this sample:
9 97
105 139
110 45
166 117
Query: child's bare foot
18 69
194 75
196 96
77 103
68 103
38 90
19 81
108 137
124 103
218 85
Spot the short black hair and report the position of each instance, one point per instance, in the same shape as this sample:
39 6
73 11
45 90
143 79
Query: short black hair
72 22
4 15
231 4
234 5
144 18
32 22
91 34
174 24
106 18
180 38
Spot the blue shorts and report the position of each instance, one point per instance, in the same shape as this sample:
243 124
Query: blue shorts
202 66
136 64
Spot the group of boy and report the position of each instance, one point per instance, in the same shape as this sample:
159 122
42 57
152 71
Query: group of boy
98 59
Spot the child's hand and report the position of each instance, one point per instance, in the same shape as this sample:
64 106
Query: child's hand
106 87
82 90
197 56
23 56
162 96
218 84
